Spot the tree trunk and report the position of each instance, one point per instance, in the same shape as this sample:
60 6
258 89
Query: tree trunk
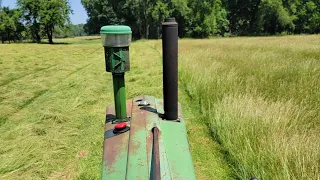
146 20
36 30
8 37
50 39
254 15
49 34
38 37
158 31
2 39
35 35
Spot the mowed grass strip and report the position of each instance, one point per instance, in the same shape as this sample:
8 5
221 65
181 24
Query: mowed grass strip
261 99
53 100
48 114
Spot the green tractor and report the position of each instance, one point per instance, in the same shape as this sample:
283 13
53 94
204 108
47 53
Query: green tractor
145 137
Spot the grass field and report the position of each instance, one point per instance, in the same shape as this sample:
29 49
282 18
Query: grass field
253 103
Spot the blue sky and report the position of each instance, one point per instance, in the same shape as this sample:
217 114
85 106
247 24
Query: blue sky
79 13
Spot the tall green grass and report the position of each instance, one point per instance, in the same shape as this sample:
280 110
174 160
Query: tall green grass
261 99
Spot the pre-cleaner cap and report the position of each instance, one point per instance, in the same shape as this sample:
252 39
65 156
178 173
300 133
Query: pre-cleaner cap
115 29
116 36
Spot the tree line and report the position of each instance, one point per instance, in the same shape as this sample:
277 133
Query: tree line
37 19
200 19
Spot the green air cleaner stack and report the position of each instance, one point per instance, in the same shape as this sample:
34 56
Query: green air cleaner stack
116 41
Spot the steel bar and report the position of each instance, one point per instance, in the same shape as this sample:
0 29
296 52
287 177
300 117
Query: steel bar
119 95
156 155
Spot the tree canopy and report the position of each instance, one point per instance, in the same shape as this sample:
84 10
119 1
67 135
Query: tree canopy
207 17
35 19
11 25
42 16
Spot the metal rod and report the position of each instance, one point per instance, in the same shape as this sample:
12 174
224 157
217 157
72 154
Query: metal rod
119 95
170 68
156 174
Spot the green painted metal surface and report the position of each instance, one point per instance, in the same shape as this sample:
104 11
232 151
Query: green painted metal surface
117 59
174 137
119 96
137 166
115 29
129 155
115 149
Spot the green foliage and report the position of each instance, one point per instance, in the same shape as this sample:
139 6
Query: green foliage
158 14
78 30
42 16
273 17
206 18
198 19
100 13
62 32
54 13
11 27
210 18
308 13
31 11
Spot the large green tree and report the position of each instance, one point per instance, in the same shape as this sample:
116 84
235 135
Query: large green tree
100 13
308 16
242 15
31 10
54 13
42 16
274 17
11 26
208 18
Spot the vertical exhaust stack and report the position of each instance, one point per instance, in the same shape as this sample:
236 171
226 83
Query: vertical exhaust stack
170 68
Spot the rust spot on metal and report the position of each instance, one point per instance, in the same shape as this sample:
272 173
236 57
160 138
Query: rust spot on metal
111 153
113 143
137 124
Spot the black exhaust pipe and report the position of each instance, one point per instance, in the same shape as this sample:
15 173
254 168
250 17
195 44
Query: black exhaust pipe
170 68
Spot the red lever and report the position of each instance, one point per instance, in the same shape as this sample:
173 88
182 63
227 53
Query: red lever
120 126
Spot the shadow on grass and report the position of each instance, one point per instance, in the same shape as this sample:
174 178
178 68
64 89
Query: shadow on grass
31 42
90 39
56 43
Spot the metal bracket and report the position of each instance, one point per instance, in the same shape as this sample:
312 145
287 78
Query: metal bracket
115 121
143 103
121 61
